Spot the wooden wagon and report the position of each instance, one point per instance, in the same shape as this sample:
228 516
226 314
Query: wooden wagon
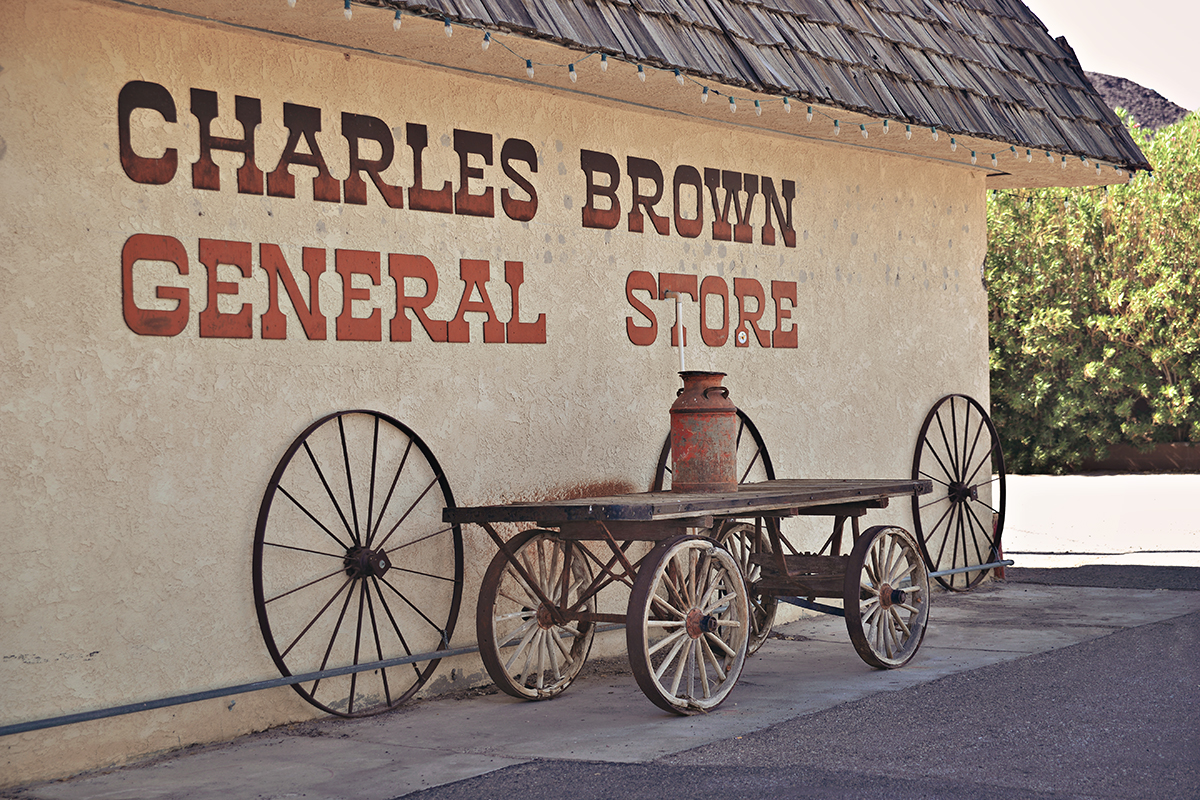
358 564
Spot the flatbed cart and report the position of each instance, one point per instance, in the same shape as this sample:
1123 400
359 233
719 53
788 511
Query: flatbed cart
356 573
688 623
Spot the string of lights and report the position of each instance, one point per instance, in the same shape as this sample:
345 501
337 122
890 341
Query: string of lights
707 90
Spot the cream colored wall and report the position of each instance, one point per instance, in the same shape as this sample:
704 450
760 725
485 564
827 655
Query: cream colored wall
133 466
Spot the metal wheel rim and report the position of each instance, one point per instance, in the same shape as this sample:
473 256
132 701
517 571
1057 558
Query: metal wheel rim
511 631
954 529
687 628
316 548
740 540
886 597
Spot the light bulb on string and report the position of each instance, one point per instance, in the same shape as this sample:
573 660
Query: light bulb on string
291 3
863 129
908 131
346 10
732 104
757 109
1064 162
837 128
1097 170
641 73
953 144
1014 151
885 126
604 62
449 31
1028 155
994 164
973 157
704 95
529 67
1049 158
787 106
809 114
487 41
396 21
679 77
571 72
935 133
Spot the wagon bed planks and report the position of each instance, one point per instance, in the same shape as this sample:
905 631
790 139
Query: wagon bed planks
751 499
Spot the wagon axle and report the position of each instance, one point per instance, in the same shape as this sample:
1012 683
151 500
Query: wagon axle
698 623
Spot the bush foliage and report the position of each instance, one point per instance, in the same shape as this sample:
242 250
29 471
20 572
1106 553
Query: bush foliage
1095 310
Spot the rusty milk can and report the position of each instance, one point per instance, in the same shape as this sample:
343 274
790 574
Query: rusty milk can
703 430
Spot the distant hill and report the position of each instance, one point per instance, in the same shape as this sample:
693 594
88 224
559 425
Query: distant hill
1148 107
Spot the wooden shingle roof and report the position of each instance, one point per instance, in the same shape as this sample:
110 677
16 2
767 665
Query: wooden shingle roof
981 68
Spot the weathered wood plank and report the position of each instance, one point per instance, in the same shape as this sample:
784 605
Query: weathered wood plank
749 500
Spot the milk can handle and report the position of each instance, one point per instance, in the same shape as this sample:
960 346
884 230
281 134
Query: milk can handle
722 389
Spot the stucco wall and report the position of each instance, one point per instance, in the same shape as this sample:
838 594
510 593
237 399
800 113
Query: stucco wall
133 465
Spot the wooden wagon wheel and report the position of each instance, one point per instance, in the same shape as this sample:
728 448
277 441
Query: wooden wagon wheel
526 652
886 596
961 522
754 465
743 540
688 624
352 562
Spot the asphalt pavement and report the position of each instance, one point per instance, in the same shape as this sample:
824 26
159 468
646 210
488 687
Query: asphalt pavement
1076 682
1117 716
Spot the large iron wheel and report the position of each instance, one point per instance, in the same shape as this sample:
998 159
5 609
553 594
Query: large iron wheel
753 460
529 653
960 523
688 625
353 564
742 540
886 597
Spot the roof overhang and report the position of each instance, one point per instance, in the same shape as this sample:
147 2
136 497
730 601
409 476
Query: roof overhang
422 40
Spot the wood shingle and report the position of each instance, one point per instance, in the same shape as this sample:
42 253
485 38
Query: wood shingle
982 68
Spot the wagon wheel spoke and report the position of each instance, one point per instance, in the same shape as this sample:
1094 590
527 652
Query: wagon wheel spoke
387 692
387 500
337 627
317 616
329 493
313 517
387 609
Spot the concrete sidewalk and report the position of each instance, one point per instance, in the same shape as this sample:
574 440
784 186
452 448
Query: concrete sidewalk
1118 638
809 669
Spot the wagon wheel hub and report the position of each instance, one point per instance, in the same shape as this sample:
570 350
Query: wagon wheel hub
698 623
961 492
545 617
363 562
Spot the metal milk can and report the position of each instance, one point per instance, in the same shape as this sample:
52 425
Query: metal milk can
703 432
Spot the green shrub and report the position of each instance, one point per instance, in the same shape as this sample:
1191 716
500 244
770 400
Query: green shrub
1095 310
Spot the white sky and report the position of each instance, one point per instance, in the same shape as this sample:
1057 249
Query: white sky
1152 42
